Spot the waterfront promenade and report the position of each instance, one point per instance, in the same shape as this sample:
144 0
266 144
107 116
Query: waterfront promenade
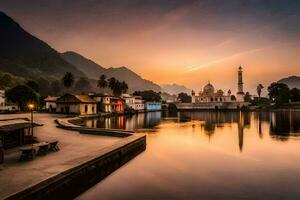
76 149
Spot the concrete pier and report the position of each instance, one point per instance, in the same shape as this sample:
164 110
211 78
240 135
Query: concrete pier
70 183
83 161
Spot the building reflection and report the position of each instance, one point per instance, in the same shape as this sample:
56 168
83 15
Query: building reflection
280 125
283 124
212 120
241 125
139 121
261 118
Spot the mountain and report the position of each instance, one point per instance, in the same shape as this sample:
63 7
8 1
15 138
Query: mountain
94 70
24 55
291 81
89 67
175 89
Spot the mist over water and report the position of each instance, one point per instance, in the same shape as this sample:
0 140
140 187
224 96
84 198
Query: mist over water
208 155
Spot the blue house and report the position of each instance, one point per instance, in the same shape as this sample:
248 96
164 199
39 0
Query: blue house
152 106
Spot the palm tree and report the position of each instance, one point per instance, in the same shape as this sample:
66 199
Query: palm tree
112 83
258 89
117 88
68 80
124 87
102 82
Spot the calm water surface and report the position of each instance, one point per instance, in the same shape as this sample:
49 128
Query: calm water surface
208 155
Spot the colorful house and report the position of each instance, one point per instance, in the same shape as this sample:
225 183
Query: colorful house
153 106
108 103
76 104
133 102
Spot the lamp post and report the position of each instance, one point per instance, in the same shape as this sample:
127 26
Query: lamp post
31 107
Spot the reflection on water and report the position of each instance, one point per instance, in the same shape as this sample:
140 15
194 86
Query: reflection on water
140 121
281 124
208 155
284 123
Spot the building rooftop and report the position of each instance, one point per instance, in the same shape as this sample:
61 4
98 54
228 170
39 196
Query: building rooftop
85 99
71 98
102 95
51 98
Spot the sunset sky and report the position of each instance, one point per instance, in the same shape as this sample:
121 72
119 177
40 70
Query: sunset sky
173 41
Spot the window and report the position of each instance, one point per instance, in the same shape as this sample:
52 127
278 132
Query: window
85 108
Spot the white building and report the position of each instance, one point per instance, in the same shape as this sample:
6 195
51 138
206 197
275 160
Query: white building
209 95
2 98
4 106
134 102
210 99
50 102
108 103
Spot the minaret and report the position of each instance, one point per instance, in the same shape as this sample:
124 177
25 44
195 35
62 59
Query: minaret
240 93
193 97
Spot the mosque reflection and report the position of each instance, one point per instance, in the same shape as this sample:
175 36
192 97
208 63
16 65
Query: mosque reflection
279 125
212 120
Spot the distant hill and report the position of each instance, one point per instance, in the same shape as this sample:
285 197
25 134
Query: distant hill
24 55
291 81
89 67
168 97
94 70
175 89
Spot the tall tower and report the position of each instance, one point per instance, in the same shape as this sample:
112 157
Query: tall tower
240 93
193 97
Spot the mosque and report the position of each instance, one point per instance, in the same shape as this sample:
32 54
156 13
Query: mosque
208 95
209 98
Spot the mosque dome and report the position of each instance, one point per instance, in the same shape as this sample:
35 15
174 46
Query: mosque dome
220 92
208 89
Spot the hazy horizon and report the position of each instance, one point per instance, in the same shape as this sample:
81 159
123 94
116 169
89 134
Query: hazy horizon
183 42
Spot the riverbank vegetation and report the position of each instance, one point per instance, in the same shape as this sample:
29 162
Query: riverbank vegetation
279 96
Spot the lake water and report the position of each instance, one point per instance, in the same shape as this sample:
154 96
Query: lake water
208 155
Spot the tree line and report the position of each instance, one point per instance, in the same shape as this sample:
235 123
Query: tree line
278 93
116 86
31 92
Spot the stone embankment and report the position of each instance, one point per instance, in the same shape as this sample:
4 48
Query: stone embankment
73 124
